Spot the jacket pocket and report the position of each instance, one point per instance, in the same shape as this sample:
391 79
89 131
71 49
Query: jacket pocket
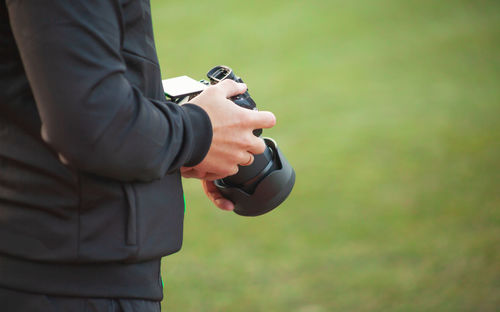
131 226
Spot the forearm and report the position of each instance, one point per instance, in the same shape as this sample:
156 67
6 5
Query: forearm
91 114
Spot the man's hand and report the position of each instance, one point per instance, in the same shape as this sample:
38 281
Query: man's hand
215 196
233 142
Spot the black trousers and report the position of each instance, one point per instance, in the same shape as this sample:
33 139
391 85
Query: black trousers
18 301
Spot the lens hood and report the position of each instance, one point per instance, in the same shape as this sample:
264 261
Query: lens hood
269 193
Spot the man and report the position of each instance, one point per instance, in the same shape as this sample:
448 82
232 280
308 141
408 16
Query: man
91 155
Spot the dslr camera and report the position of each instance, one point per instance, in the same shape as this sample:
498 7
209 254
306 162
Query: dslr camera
267 182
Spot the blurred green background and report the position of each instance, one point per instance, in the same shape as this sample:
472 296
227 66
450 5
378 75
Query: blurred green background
389 111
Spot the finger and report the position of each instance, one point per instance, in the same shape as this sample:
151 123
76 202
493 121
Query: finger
262 120
258 146
189 173
215 176
232 88
212 177
216 197
249 161
224 204
211 190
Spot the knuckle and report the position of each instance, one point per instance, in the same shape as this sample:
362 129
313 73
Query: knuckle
227 82
213 90
246 118
261 147
242 156
247 141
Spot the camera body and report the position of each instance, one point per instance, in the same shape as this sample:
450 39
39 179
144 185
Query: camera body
259 187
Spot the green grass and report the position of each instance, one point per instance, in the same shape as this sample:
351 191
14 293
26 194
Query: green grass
390 113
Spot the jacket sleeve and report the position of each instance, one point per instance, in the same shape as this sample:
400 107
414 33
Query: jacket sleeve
91 115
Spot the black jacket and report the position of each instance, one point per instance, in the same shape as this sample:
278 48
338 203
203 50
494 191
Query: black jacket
90 150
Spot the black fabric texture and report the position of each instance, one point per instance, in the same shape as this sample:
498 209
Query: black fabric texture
104 280
200 147
90 150
17 301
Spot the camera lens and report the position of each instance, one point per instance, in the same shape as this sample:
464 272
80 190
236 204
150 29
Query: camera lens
267 182
268 186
